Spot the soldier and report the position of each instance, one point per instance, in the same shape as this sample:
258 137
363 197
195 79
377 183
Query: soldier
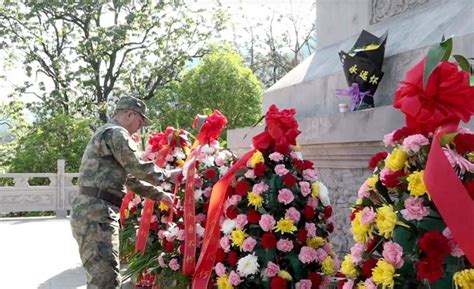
109 164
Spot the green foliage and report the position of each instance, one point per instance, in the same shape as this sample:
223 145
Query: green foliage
221 81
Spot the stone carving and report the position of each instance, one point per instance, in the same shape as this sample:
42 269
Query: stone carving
383 9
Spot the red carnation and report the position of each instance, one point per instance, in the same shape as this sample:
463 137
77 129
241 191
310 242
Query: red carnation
278 283
210 174
464 143
353 214
232 258
316 280
428 268
230 191
289 180
309 213
299 164
269 240
220 255
367 267
302 235
435 245
327 212
391 179
330 227
168 246
260 169
402 133
470 188
181 249
154 226
232 212
376 158
253 216
242 188
308 164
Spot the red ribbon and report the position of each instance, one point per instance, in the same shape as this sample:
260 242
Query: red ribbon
210 244
449 195
126 200
144 229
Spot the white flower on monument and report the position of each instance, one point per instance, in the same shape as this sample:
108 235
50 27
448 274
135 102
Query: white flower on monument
247 265
324 194
228 226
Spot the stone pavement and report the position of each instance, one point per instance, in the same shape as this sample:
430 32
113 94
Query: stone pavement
39 253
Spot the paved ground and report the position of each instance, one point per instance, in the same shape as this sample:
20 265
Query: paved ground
39 253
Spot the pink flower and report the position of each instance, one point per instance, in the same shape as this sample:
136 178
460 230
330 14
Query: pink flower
174 265
305 188
207 192
241 221
181 235
285 196
363 191
276 157
356 252
281 170
293 215
225 243
219 161
321 254
161 234
304 284
456 251
161 261
249 244
311 229
414 209
307 255
234 278
272 269
369 284
313 202
414 142
349 284
220 269
310 175
456 160
260 188
234 200
393 254
368 216
250 174
285 245
388 139
267 222
200 218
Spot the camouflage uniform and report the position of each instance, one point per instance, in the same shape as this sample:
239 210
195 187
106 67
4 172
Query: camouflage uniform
109 163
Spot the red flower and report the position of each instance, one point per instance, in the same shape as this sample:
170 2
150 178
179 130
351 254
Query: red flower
327 212
260 169
280 132
376 158
366 270
242 188
210 174
371 244
232 258
392 180
428 268
330 227
470 188
464 143
220 255
448 97
212 126
402 133
269 241
289 180
353 214
299 164
309 213
181 249
278 283
435 245
232 212
308 164
253 217
168 246
154 226
302 235
316 280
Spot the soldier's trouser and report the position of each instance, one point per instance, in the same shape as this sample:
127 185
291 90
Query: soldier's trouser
97 235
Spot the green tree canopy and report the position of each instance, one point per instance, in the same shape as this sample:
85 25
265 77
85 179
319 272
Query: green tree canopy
220 81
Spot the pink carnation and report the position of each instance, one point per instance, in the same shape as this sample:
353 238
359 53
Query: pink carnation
241 221
349 284
293 215
220 269
456 251
225 243
281 170
285 196
234 200
285 245
267 222
310 175
234 278
161 261
311 229
272 269
161 234
313 202
363 191
414 142
181 235
305 188
260 188
249 244
388 139
219 161
393 254
414 209
307 255
368 216
250 174
369 284
304 284
321 254
174 265
356 252
200 218
276 157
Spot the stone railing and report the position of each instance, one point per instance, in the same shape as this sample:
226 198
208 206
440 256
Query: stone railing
57 196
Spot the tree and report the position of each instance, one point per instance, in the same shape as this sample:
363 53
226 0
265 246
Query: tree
220 81
77 52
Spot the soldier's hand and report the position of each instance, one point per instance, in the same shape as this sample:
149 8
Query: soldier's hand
174 175
167 199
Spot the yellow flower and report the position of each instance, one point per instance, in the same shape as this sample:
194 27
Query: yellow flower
372 181
315 242
223 282
164 207
315 189
383 274
255 200
396 160
256 158
361 232
386 220
416 184
297 147
348 267
285 275
285 225
127 213
238 237
361 285
328 265
180 163
464 279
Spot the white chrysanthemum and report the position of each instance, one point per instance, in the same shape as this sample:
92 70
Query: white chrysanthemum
324 194
228 226
199 230
247 265
172 231
166 186
208 161
223 170
207 149
198 195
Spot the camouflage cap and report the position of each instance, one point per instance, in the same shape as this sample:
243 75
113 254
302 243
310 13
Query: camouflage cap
135 104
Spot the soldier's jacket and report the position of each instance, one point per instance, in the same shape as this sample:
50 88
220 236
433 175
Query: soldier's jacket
110 162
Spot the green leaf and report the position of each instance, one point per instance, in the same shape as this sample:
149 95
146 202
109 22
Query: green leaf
463 62
436 54
448 138
299 271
